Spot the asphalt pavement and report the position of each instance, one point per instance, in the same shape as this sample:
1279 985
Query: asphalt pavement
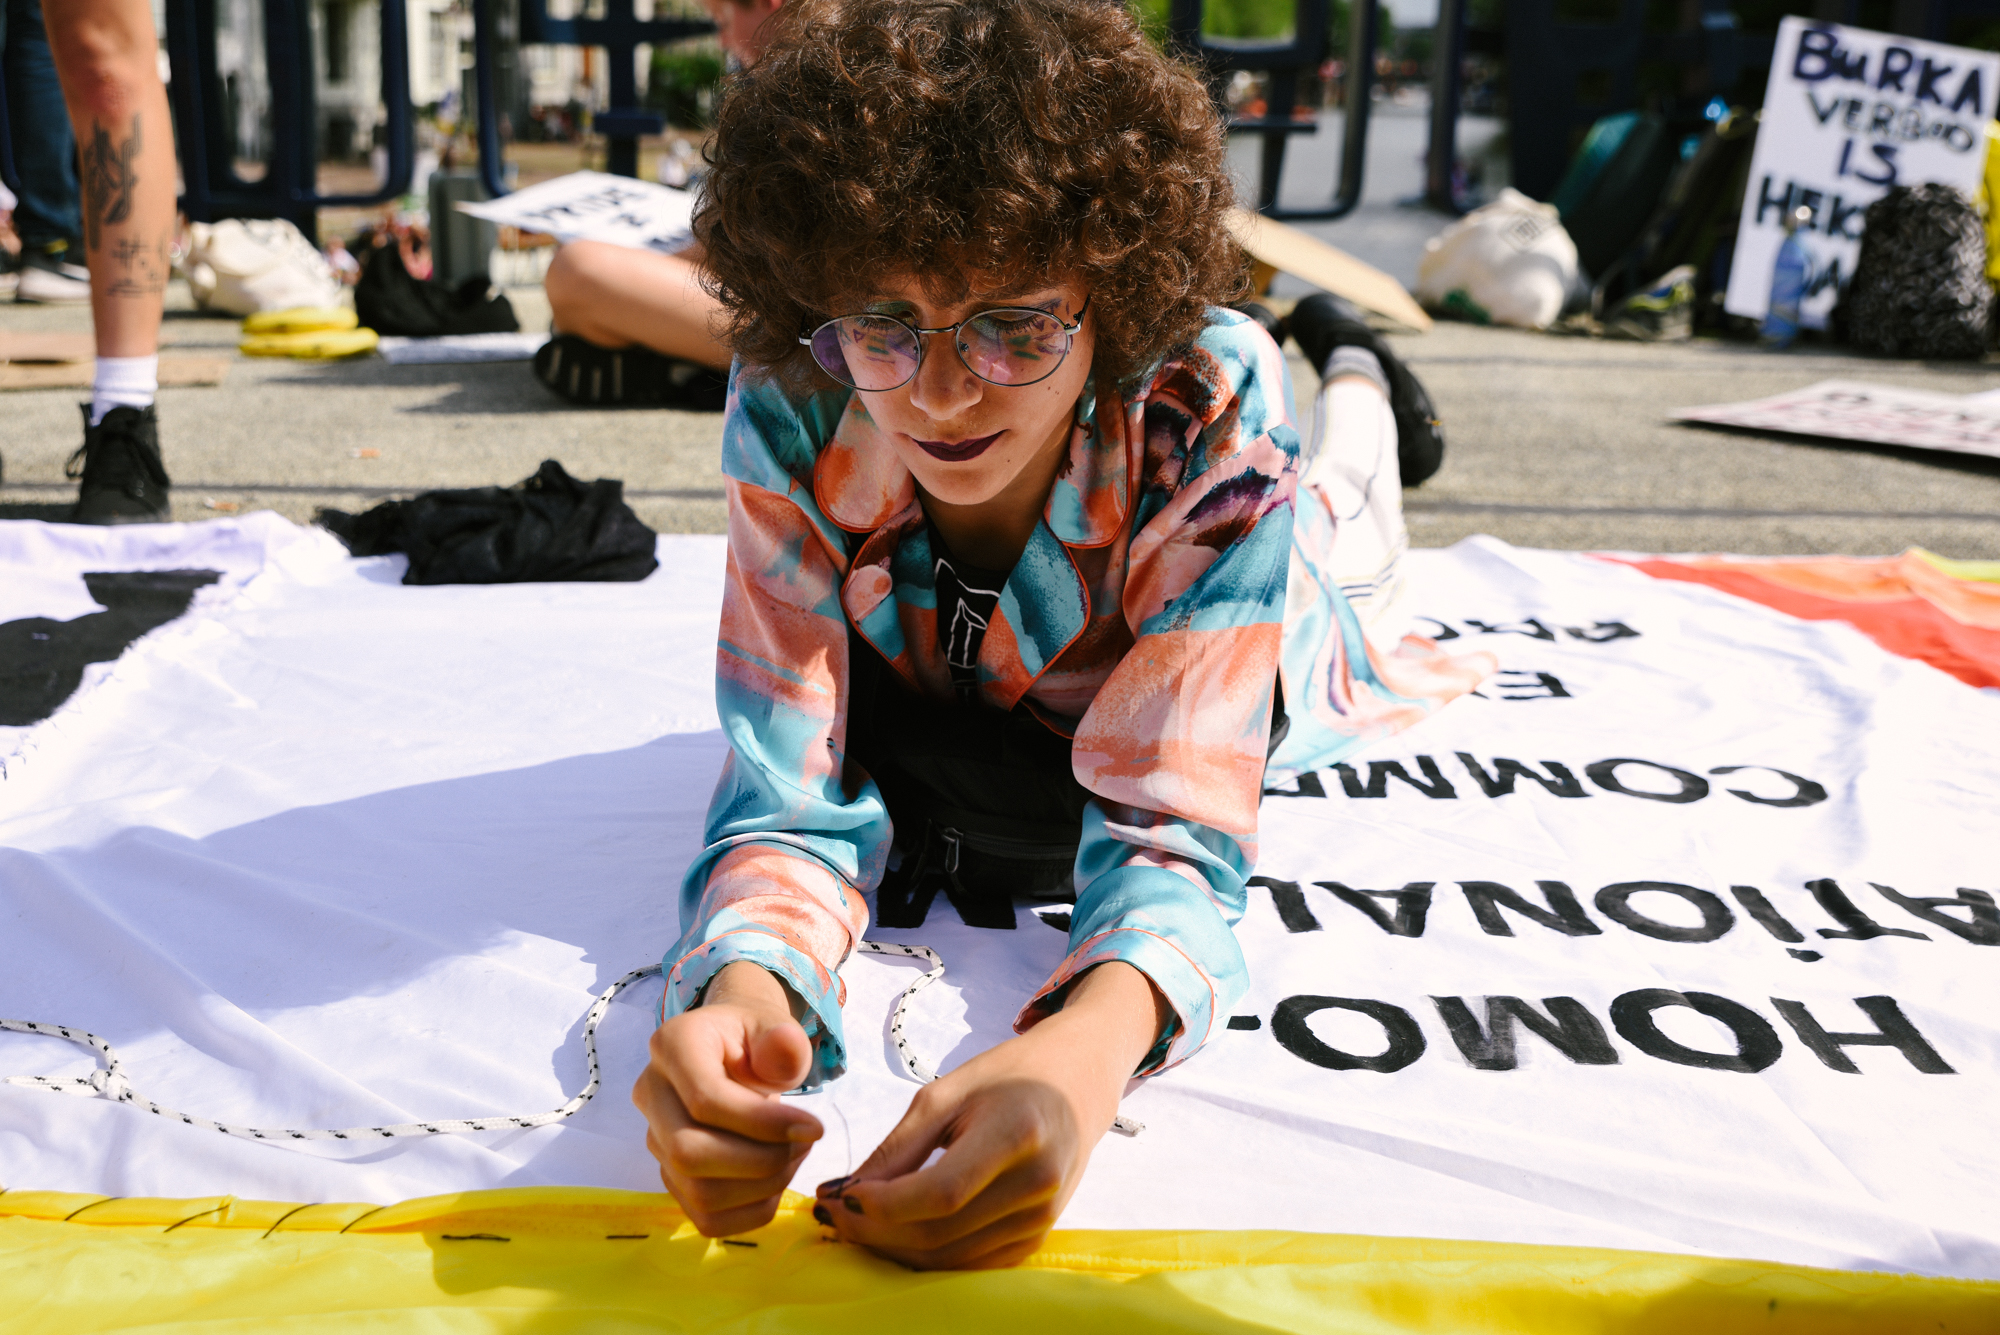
1552 441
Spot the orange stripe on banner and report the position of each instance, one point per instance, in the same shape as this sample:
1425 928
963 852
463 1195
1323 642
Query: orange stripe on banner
1947 623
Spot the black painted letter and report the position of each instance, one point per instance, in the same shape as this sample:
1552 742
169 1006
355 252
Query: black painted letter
1757 1043
1563 914
1615 903
1568 1027
1288 1025
1605 775
1892 1030
1413 901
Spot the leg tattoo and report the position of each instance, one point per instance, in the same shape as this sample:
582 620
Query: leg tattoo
108 182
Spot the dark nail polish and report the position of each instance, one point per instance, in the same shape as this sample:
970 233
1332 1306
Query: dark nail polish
851 1203
823 1215
833 1187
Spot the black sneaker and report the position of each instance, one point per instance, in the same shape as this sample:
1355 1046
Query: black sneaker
1322 323
124 481
599 377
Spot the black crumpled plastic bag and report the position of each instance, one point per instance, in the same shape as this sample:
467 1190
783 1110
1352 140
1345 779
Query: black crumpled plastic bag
550 527
389 301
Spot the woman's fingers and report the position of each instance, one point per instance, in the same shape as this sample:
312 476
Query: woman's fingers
1002 1242
923 1128
694 1058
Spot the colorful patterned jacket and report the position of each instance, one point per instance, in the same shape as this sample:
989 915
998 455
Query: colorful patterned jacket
1144 619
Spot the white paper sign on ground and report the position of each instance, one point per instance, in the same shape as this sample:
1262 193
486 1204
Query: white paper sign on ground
1858 410
594 206
332 851
1848 114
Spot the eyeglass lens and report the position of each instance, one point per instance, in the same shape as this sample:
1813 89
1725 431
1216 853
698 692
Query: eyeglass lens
1005 347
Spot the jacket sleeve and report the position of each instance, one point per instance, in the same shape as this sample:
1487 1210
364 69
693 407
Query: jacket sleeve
788 847
1174 744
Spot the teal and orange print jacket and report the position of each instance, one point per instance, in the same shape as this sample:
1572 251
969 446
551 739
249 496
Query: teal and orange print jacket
1147 619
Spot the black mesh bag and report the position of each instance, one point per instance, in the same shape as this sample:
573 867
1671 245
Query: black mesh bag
1920 287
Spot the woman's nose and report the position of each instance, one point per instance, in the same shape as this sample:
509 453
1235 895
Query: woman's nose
943 387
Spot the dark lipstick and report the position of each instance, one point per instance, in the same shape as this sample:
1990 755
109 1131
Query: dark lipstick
957 452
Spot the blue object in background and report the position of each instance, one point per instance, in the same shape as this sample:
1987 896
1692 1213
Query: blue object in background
1788 284
44 151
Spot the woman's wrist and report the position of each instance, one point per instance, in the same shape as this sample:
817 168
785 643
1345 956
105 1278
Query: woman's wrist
1117 1010
750 986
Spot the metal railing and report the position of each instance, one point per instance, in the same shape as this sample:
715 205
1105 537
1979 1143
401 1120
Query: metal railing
290 186
1284 62
620 32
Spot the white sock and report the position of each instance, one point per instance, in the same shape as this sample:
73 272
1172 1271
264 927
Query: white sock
1349 465
123 382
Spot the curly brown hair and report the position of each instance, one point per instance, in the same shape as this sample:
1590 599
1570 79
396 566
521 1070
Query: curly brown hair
967 144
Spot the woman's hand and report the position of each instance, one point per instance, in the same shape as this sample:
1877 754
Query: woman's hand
726 1143
1017 1125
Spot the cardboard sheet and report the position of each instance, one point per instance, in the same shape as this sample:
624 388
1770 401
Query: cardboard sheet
1857 410
328 850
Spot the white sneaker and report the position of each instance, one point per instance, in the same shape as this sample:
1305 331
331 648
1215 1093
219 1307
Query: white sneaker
46 279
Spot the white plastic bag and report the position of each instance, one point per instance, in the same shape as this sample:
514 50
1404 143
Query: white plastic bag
246 266
1510 262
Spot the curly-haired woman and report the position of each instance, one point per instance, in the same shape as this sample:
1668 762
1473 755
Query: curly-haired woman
1019 592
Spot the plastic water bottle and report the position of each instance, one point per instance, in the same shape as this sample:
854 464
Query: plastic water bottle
1788 283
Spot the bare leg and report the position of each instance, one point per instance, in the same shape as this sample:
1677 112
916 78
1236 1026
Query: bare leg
617 297
105 55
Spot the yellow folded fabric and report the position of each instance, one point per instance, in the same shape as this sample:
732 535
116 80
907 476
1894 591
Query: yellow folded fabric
311 344
1984 571
301 320
561 1259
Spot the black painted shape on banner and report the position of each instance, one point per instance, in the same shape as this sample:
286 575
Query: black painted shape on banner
1602 632
1290 902
1757 1043
1308 786
1753 902
1432 785
1545 686
1288 1026
1540 632
1246 1022
42 661
1560 780
1982 930
1857 925
1808 794
1443 632
1615 903
1604 774
1563 914
1568 1028
1892 1030
1413 902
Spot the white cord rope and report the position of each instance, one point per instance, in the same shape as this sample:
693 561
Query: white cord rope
110 1082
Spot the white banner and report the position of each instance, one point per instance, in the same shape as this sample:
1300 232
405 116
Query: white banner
1848 114
1680 936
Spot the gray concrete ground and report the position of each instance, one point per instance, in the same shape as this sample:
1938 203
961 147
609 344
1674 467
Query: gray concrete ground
1553 442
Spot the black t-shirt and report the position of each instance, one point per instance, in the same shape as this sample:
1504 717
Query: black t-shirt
966 597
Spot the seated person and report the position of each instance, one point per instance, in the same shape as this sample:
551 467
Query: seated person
635 327
1023 598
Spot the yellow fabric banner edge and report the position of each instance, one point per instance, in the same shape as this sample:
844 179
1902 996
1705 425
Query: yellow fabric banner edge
558 1259
1982 571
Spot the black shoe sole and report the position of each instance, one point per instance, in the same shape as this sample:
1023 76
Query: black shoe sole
1322 323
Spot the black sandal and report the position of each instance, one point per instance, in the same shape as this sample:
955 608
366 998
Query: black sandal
598 377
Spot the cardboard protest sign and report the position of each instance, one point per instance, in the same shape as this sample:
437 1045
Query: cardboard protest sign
1847 115
594 206
1857 410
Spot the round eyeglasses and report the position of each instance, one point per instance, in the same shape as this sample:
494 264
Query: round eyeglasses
1009 346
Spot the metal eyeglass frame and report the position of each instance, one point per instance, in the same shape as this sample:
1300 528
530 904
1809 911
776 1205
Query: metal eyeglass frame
923 345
